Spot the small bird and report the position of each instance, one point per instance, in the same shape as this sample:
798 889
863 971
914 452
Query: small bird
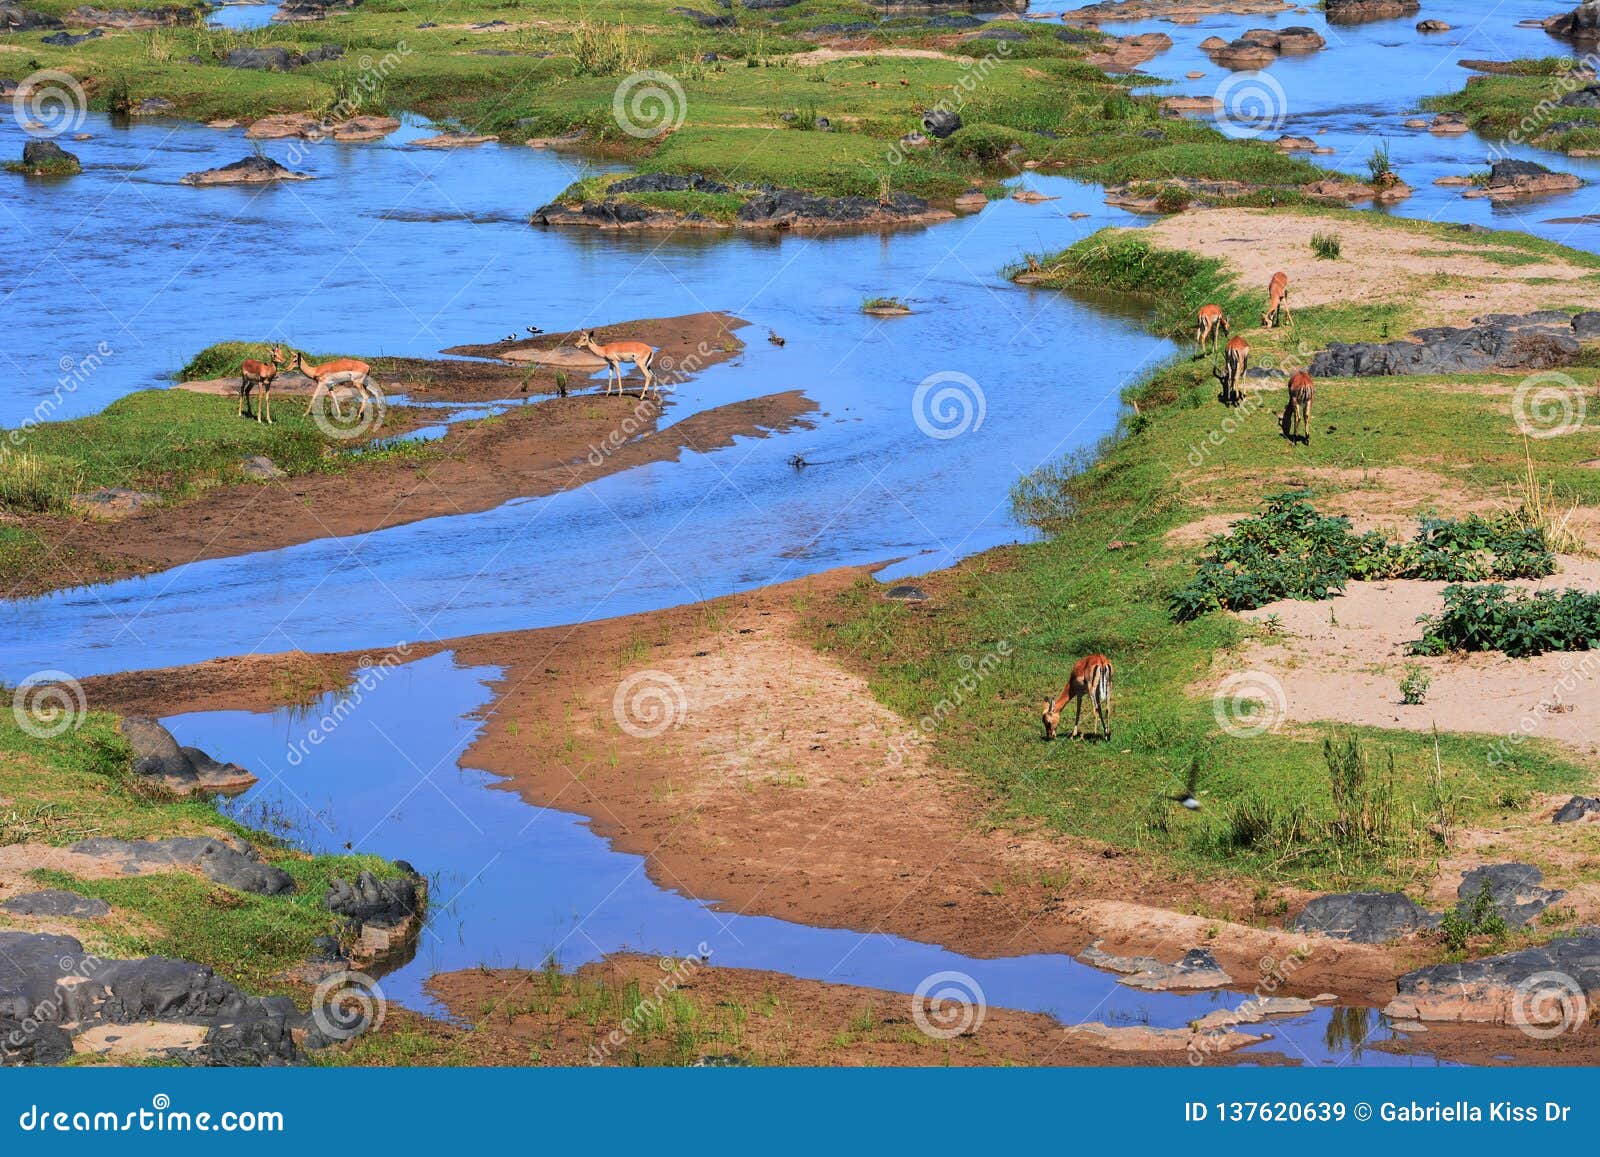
509 337
533 330
774 338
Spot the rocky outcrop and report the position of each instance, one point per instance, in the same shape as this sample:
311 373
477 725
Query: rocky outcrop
1197 969
1126 53
1542 340
381 916
1577 809
1259 47
52 992
68 40
1514 889
56 903
1361 11
234 864
1364 917
15 18
134 17
1582 23
765 208
45 158
1510 179
276 58
254 170
185 770
1544 988
302 11
311 127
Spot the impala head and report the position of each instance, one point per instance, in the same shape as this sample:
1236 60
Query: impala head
585 340
1222 324
276 354
1052 716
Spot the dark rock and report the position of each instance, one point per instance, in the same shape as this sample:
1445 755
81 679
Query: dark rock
26 1042
1361 11
1570 812
1586 325
1586 97
784 207
1364 917
961 20
1514 890
705 19
667 183
218 861
14 18
368 900
326 950
1071 35
56 902
1582 23
156 755
1507 169
1001 32
47 157
1531 988
1446 350
906 594
68 40
276 58
251 170
940 123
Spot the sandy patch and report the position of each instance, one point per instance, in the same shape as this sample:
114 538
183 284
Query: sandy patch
138 1041
827 55
1342 659
1378 264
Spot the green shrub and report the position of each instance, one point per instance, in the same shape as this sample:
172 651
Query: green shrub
1326 246
1414 684
1493 617
1479 917
1289 551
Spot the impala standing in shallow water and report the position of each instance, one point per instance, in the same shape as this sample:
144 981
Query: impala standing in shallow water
1091 679
1211 326
616 353
253 374
1277 301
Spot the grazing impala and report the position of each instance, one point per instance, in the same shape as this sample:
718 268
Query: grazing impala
616 353
1091 679
1277 301
253 374
335 372
1235 359
1211 328
1297 414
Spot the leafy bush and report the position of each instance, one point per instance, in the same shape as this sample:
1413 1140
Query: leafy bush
1478 917
1414 684
1289 551
1327 246
1493 617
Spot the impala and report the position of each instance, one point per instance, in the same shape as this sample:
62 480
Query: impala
1091 679
1297 414
616 353
1277 301
1211 326
1235 358
335 372
252 374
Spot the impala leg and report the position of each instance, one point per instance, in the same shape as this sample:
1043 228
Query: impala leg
266 403
317 391
1077 716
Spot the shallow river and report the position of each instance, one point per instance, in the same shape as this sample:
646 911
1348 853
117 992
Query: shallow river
400 250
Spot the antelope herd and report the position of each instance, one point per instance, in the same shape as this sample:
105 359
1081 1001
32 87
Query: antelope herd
1212 326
